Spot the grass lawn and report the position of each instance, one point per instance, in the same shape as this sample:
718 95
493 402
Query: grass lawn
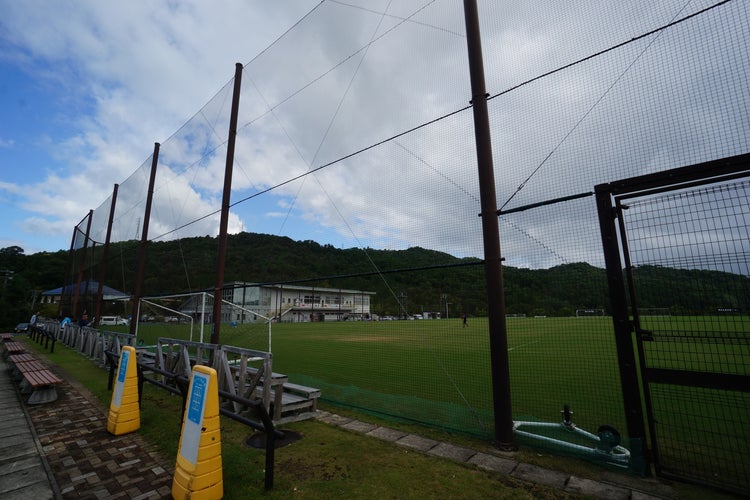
329 461
437 372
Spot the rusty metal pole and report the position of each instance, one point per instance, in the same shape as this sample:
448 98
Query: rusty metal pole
105 256
80 268
222 251
491 234
138 285
72 265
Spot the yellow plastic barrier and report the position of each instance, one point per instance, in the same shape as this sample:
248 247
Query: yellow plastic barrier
124 413
198 472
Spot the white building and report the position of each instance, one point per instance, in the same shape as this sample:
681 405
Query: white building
293 303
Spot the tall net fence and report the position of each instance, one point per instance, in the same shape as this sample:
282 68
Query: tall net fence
360 148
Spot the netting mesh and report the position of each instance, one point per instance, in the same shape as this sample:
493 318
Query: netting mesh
366 142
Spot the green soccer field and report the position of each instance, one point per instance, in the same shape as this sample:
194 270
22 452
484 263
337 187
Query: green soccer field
437 372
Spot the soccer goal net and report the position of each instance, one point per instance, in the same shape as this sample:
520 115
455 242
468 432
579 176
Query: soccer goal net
190 316
582 313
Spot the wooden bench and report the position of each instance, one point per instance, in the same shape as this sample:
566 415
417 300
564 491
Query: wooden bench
41 384
26 366
242 372
35 379
21 358
15 359
6 337
310 393
297 402
10 348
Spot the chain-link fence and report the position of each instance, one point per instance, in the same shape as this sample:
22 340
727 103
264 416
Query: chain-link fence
355 150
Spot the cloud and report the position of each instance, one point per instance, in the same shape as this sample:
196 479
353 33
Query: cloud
351 75
11 188
136 70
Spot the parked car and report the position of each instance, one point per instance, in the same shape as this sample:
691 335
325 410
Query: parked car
21 328
113 320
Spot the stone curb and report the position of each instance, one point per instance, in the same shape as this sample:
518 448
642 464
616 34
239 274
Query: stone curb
519 470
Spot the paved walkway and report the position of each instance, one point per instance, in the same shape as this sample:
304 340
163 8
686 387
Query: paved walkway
63 450
23 470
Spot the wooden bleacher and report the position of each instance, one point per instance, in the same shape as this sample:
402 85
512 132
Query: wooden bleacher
246 373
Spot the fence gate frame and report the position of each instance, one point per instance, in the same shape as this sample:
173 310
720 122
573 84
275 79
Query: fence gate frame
636 376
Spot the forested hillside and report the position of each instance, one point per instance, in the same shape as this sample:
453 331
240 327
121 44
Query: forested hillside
405 281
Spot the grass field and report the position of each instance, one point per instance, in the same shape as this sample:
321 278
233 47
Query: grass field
330 463
327 462
437 372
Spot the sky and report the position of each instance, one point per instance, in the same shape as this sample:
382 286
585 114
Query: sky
88 87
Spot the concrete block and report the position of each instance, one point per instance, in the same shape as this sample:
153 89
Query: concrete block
358 426
587 487
493 463
386 434
417 442
535 474
456 453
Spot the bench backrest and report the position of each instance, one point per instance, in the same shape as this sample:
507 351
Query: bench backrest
179 356
242 371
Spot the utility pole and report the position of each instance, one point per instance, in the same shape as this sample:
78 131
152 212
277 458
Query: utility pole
225 199
503 421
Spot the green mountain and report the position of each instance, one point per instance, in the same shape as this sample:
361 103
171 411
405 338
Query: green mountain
408 281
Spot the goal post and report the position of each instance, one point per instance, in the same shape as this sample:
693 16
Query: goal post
189 316
239 313
589 312
165 315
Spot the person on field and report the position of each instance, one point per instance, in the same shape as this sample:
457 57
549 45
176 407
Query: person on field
463 317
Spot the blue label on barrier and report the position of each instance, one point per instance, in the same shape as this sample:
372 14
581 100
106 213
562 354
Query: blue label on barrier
191 431
123 366
120 385
197 399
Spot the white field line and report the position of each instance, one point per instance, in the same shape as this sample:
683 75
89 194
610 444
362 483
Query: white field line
524 344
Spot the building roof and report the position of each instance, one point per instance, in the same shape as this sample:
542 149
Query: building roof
288 287
88 287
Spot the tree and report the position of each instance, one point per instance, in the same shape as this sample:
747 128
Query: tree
11 251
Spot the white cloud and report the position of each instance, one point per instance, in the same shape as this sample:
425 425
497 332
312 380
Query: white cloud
11 188
138 71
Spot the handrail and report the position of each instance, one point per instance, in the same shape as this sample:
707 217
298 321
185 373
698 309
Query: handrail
182 382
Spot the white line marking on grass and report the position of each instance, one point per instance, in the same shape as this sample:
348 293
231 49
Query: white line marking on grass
524 344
